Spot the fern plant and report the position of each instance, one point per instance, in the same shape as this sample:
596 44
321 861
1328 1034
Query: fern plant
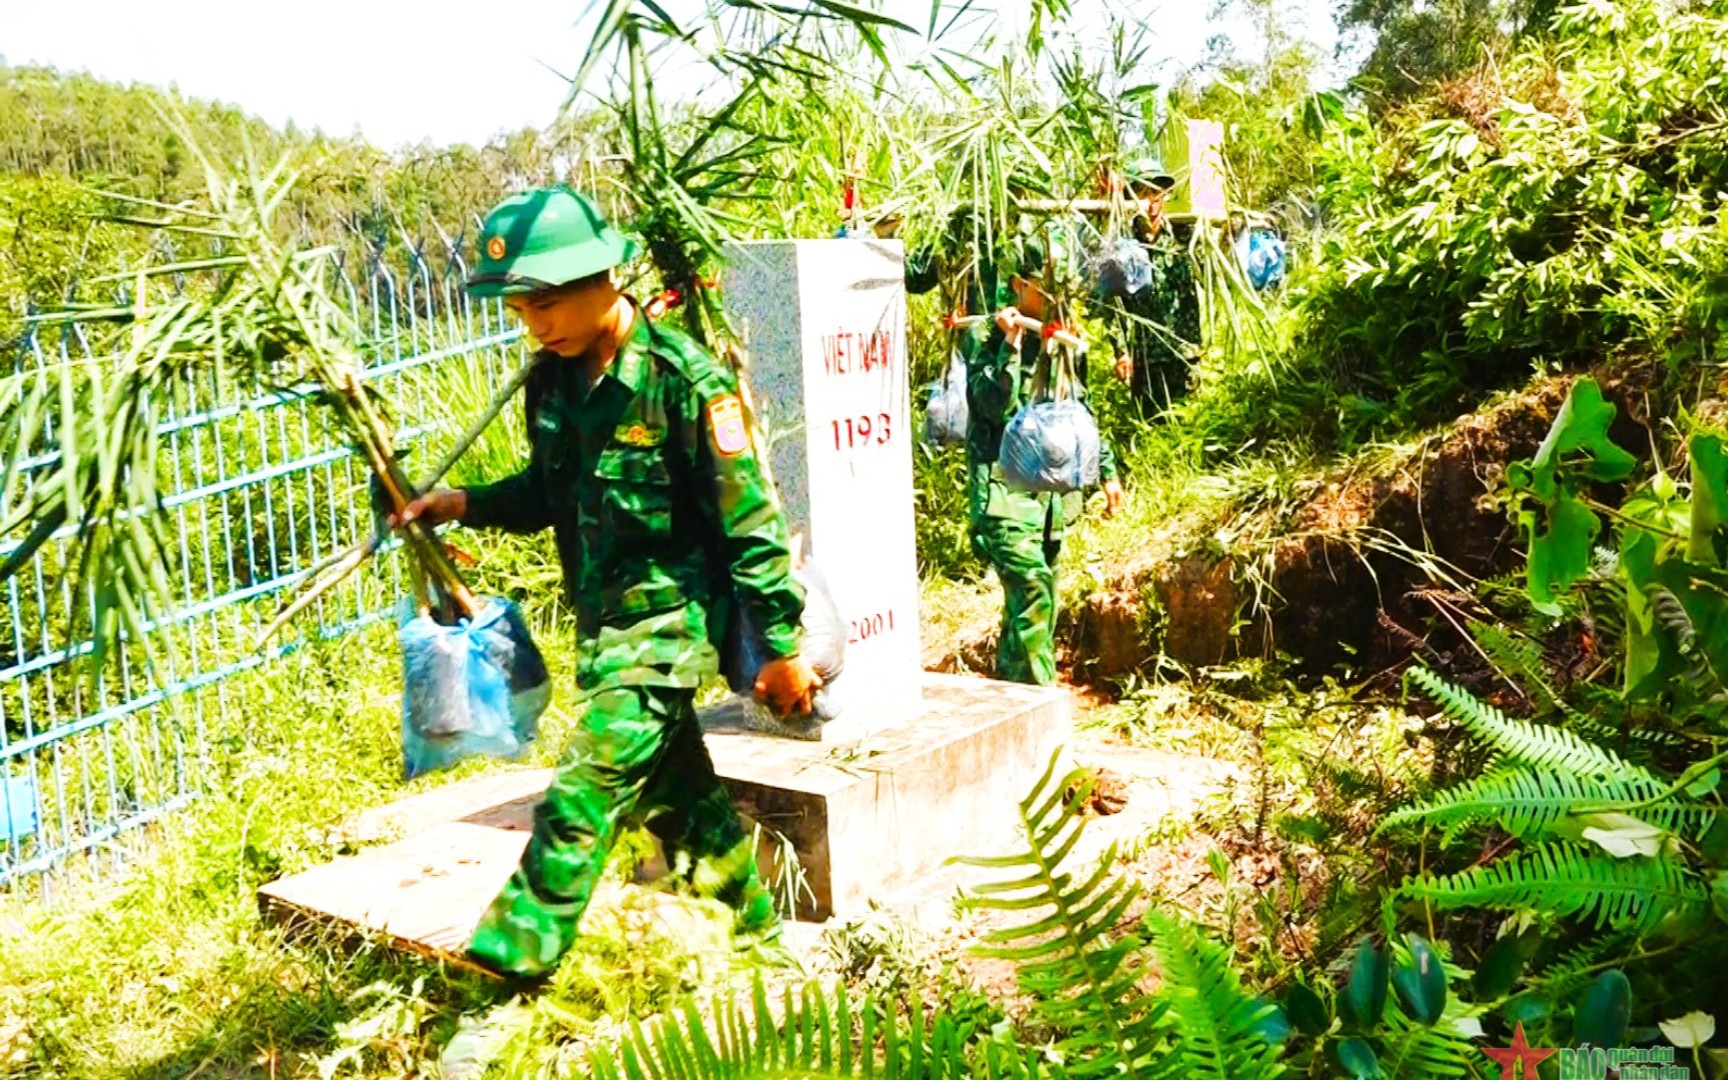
1566 879
1552 782
1414 1050
816 1034
1084 972
1528 803
1217 1028
1078 971
1541 746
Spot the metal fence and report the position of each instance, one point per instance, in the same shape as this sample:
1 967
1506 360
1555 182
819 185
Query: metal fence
259 487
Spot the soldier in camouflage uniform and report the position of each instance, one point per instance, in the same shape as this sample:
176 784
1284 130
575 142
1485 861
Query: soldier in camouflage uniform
1017 532
642 466
1155 333
974 266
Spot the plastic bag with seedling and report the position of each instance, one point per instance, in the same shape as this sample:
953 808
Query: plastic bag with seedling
473 683
1052 443
1263 257
946 414
1121 268
825 633
477 687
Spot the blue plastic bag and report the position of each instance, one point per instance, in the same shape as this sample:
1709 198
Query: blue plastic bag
1051 446
1263 256
825 633
477 687
1121 268
17 808
946 413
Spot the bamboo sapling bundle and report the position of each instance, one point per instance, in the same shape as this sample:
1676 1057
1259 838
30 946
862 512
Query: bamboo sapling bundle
262 314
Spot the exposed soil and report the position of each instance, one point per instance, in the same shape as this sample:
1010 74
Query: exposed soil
1360 571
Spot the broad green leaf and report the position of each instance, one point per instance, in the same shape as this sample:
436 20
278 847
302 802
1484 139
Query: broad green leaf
1562 533
1499 970
1652 659
1709 499
1421 983
1358 1059
1602 1015
1561 539
1274 1025
1704 785
1306 1010
1364 1000
1527 1008
1581 424
1713 845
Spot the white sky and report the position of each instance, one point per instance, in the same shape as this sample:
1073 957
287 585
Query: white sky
401 72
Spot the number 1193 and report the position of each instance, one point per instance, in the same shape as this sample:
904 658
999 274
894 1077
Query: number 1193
857 431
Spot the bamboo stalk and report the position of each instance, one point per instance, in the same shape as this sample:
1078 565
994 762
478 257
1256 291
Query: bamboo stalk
1025 322
334 570
1061 337
1105 206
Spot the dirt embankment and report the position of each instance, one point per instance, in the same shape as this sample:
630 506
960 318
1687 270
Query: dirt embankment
1353 571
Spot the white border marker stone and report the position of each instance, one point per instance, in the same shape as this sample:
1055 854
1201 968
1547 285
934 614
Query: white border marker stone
825 325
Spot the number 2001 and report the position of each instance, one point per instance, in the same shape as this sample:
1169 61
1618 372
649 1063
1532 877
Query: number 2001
871 625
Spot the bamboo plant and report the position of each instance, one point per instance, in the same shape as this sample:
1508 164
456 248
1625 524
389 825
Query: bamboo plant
686 174
262 314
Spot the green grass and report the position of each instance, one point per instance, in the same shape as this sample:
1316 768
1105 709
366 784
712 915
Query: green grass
169 970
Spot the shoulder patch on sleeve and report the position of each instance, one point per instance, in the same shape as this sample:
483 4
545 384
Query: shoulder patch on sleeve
726 425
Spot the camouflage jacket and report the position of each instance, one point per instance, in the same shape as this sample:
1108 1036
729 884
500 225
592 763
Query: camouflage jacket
662 514
976 280
1160 324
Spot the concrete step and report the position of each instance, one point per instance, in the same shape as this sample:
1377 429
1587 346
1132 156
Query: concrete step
866 815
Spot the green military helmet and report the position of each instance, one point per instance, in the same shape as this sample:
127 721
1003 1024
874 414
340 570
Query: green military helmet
545 237
1034 256
1024 181
1148 171
1047 249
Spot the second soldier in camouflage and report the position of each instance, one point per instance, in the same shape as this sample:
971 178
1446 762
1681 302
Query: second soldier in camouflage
1019 533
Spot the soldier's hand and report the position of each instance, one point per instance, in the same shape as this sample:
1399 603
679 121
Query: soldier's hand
1006 319
434 508
1114 497
1124 366
788 685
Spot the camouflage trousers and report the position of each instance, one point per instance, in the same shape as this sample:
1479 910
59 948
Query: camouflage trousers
638 756
1020 535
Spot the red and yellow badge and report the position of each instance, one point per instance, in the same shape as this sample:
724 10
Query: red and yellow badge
638 435
495 247
726 421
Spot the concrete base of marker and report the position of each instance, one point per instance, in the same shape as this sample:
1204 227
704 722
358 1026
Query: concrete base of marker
869 813
867 818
